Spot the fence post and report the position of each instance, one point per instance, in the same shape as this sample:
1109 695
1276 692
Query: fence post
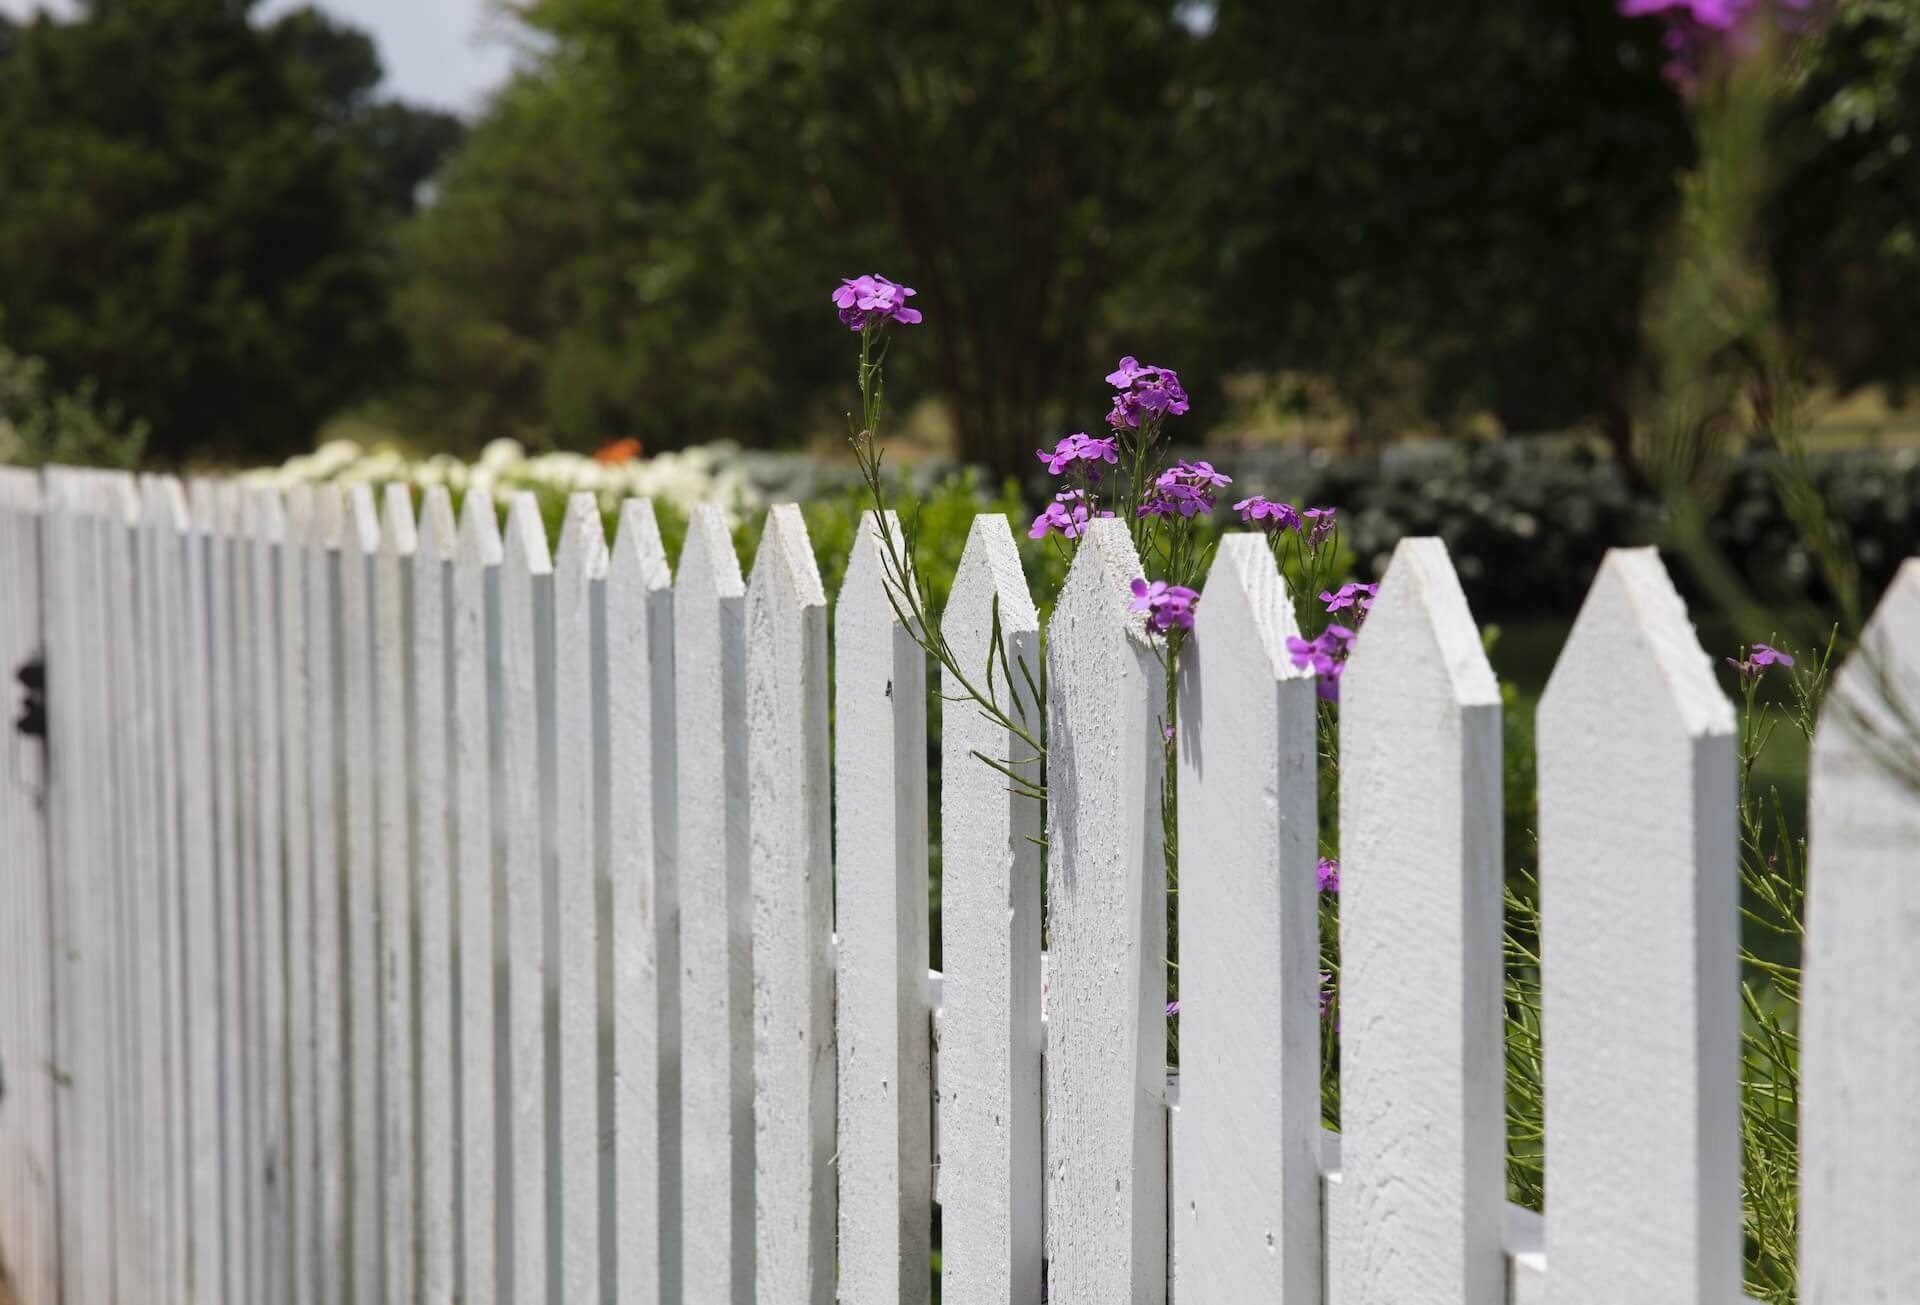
1246 1173
435 824
1106 1051
1860 1029
990 1156
1639 953
709 658
645 923
885 1049
486 1241
792 872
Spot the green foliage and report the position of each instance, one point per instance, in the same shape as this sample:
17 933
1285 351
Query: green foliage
189 225
39 424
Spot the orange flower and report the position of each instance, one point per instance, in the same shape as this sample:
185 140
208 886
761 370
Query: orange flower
621 450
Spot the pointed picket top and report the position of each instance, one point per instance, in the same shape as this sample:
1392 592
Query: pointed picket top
399 536
229 507
19 488
120 497
1640 903
166 501
1423 1185
525 537
583 539
327 528
361 525
637 550
990 570
297 509
708 563
479 530
1860 1031
1246 1174
201 507
439 535
869 576
1106 1087
789 797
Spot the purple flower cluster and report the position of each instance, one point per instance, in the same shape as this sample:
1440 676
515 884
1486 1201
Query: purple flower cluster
1267 514
1697 29
1185 489
1068 513
1146 394
1762 656
1081 450
1165 605
873 301
1353 595
1326 653
1329 875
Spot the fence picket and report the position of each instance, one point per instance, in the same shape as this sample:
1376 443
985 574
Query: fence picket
645 912
1860 1038
393 642
1246 1221
298 573
709 658
268 584
327 761
240 777
792 873
1640 953
526 608
435 816
28 1164
1106 1052
485 1233
989 1091
579 572
1422 1102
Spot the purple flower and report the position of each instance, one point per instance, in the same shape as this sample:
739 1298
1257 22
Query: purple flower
1318 523
1326 999
1068 513
1762 656
1326 653
1258 511
1147 394
1352 594
1698 29
1081 449
1186 489
1165 605
873 301
1173 1007
1329 875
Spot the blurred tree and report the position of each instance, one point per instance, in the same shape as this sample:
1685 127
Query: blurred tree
187 227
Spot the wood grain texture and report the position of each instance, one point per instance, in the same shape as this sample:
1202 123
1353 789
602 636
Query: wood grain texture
716 918
393 646
880 777
579 570
434 831
989 1067
645 913
1246 1216
1106 1051
1860 1040
1422 1097
791 817
1640 953
485 1233
526 610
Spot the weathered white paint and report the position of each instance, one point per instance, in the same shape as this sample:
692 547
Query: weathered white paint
526 608
434 816
273 921
1860 1029
1106 1088
989 1063
1640 953
485 1241
716 922
366 1088
645 907
326 756
303 1194
791 817
579 567
1246 1210
248 1203
880 777
30 1199
1422 1095
393 797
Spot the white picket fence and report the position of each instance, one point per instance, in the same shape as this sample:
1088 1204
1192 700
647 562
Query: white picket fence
398 914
